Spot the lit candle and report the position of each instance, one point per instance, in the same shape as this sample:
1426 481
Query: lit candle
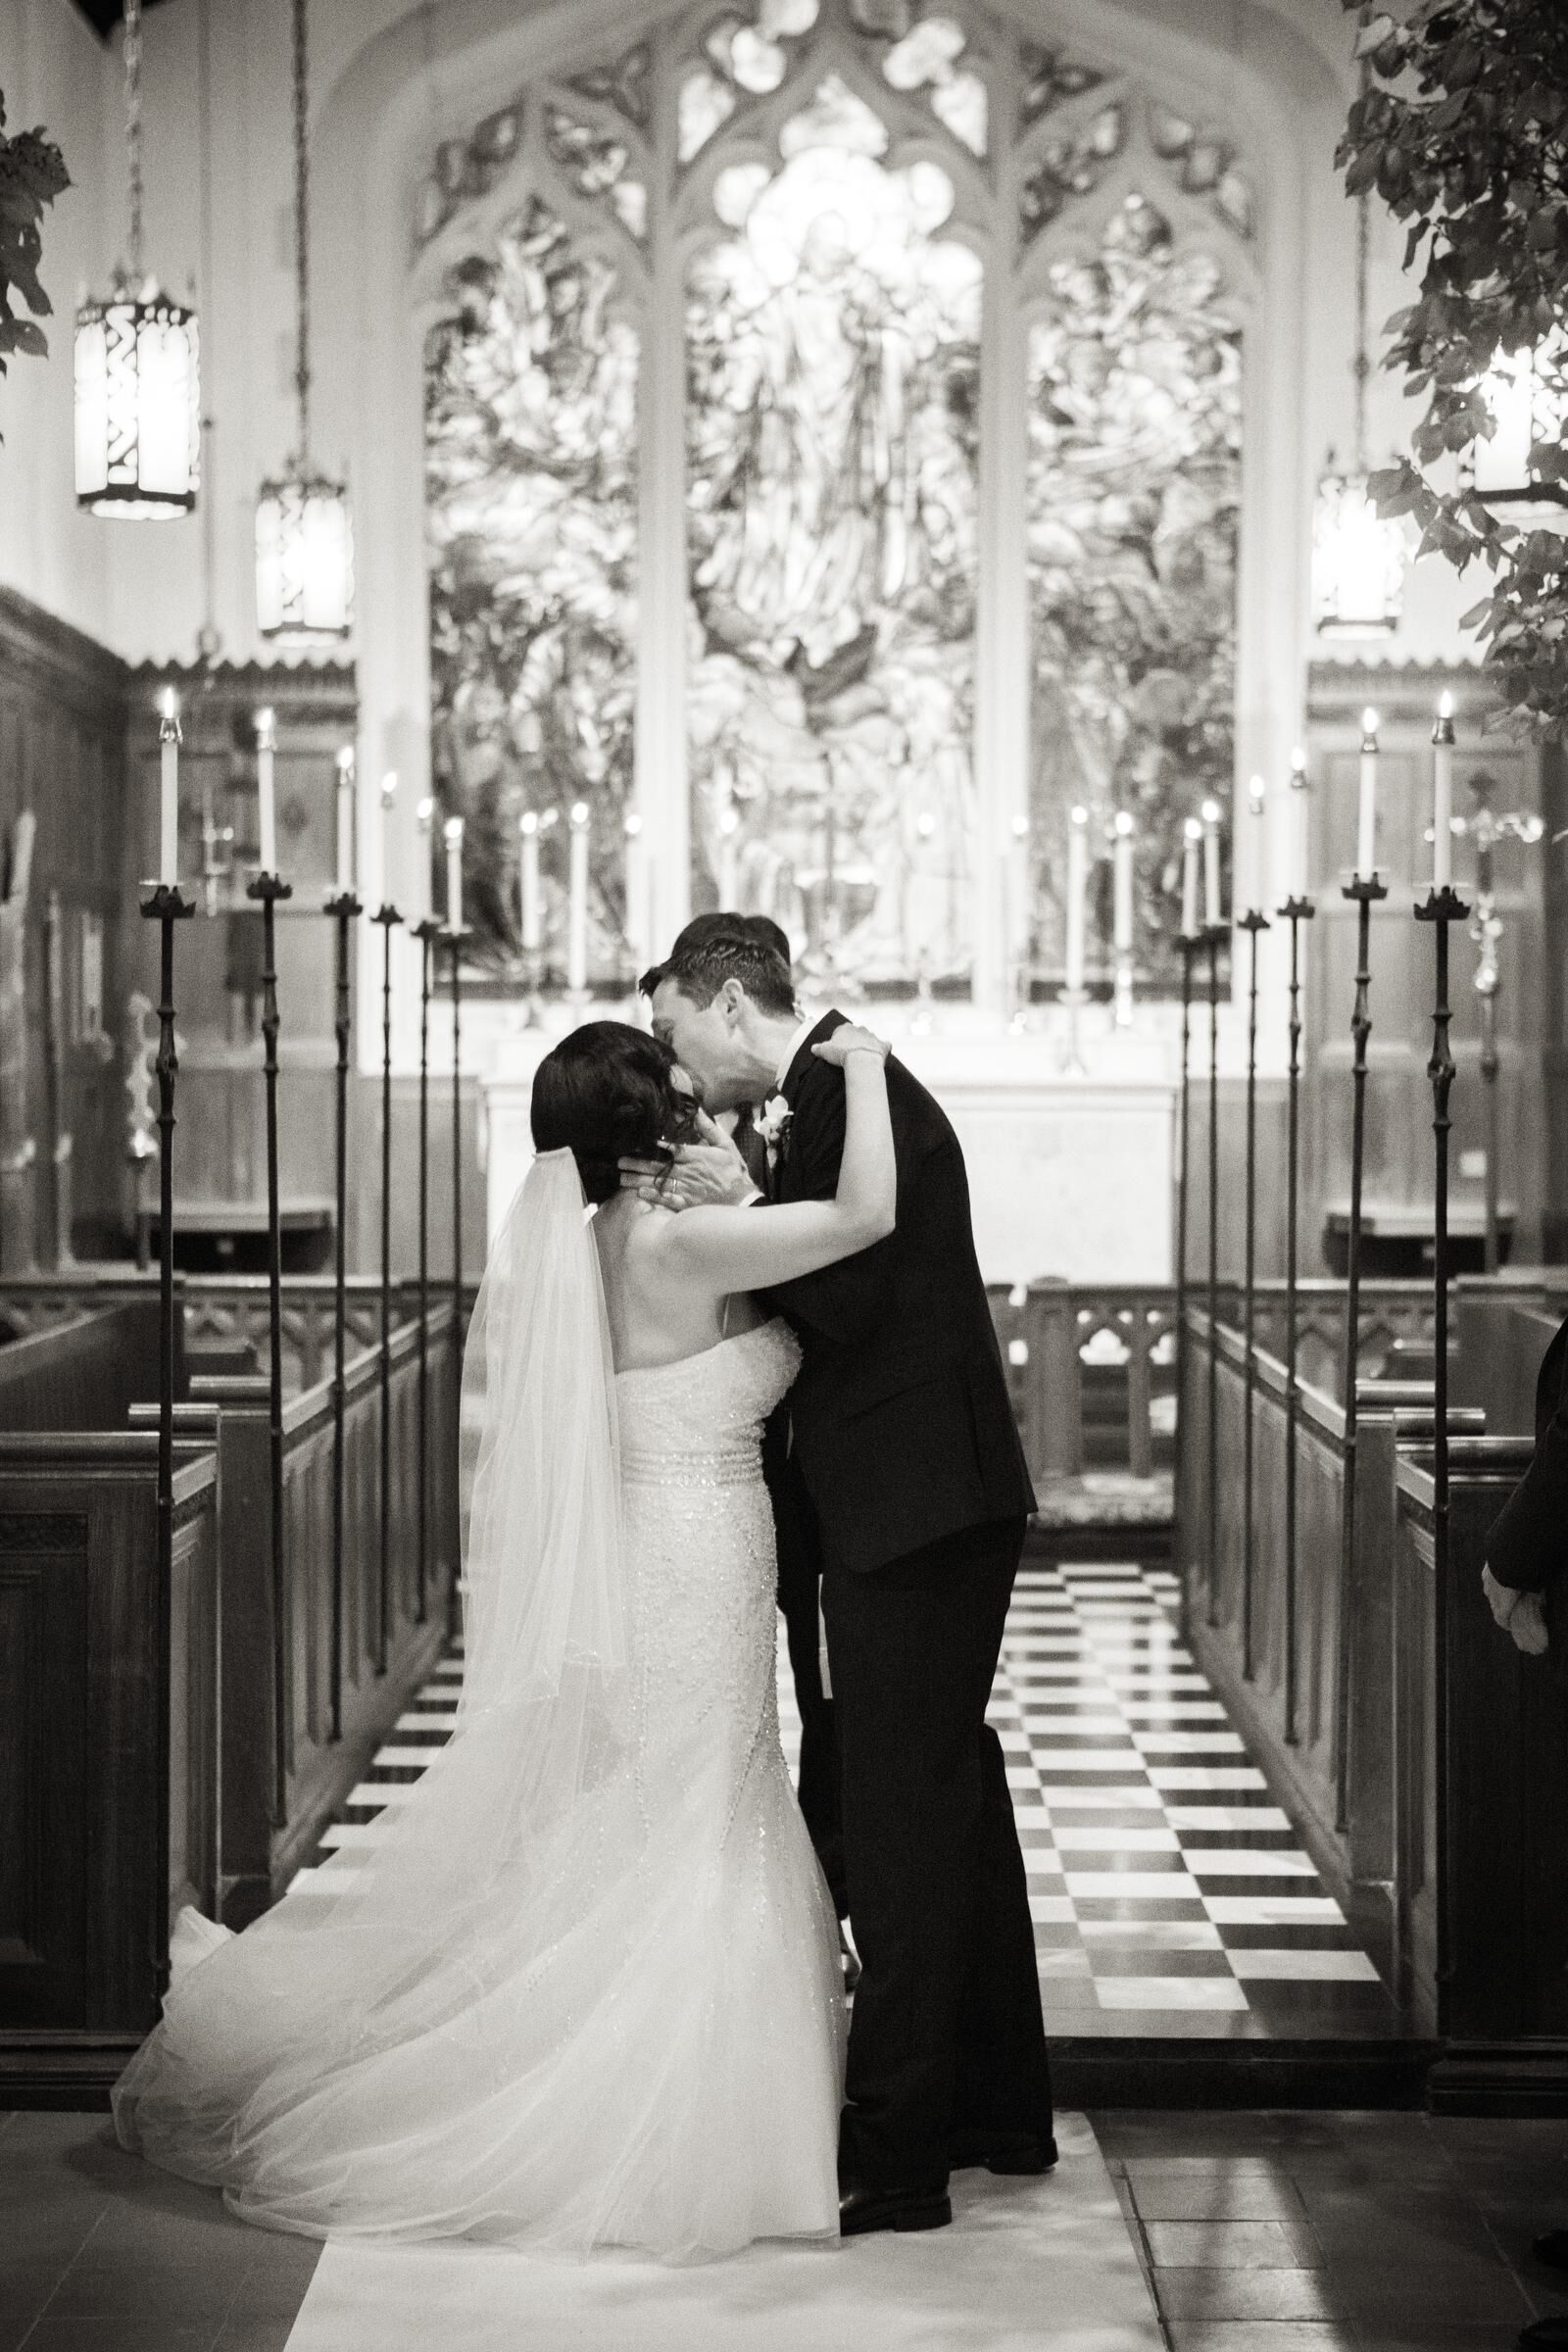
169 787
1077 889
528 826
389 794
1443 794
1122 879
577 903
424 818
345 821
1212 915
453 841
1367 812
729 826
266 799
1256 799
1191 835
1299 824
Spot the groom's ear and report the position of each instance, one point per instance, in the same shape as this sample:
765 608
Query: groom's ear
732 997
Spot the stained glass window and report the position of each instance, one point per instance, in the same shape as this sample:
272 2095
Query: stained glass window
1133 499
832 347
839 188
531 507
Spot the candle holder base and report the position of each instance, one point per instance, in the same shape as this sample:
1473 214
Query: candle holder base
1443 906
1364 888
269 887
386 914
166 902
1297 911
1255 919
344 903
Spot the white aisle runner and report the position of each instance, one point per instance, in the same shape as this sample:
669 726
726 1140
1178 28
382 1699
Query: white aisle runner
1028 2266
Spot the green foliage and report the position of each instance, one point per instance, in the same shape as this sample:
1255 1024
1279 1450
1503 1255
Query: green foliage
1463 132
32 174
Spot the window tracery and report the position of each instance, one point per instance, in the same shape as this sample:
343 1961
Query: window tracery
851 187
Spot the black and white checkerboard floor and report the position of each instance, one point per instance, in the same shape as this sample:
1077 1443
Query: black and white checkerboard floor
1170 1895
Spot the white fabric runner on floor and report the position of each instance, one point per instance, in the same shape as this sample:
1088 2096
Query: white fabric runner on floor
1028 2266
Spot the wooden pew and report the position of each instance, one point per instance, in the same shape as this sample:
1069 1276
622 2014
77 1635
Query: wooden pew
83 1371
83 1887
1482 1807
1503 1336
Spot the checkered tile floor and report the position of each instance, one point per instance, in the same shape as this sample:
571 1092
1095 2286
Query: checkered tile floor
1170 1896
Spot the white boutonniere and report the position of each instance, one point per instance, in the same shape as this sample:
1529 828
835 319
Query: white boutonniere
774 1122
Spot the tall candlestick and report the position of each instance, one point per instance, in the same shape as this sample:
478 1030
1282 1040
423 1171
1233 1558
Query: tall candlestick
577 903
389 794
453 834
729 826
1077 889
424 818
169 787
1192 835
1443 794
1257 802
1122 880
265 799
1299 860
1211 914
1366 818
528 827
345 821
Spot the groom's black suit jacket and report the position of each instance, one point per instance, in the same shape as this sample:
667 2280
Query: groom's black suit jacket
1528 1545
903 1428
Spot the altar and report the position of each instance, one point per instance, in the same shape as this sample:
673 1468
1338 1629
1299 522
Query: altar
1070 1173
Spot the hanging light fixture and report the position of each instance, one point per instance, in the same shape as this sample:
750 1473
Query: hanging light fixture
1357 557
138 433
1524 407
304 534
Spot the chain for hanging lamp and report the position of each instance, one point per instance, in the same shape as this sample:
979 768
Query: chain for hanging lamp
137 367
304 533
1357 557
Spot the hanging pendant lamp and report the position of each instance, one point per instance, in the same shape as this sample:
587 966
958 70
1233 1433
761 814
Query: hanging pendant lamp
1357 557
303 532
137 375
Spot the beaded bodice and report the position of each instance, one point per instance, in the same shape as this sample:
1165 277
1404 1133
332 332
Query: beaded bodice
697 1422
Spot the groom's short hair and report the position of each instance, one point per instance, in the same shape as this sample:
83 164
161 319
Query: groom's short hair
716 947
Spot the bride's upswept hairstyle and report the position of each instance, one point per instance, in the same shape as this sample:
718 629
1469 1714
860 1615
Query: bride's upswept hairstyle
608 1091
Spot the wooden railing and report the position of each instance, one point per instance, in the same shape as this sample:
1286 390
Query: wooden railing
1092 1372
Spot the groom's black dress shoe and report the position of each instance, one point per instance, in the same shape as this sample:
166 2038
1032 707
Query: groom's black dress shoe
1002 2151
862 2209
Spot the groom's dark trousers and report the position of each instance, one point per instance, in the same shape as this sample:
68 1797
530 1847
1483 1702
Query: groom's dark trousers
906 1441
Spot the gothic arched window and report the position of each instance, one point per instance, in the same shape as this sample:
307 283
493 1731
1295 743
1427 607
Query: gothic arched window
898 357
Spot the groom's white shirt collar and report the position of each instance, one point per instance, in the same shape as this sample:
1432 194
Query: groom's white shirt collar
793 1048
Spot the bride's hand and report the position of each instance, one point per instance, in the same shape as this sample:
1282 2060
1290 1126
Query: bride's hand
849 1039
708 1173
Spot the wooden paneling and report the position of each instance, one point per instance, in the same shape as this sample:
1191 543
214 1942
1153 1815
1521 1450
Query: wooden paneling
43 1613
62 703
82 1375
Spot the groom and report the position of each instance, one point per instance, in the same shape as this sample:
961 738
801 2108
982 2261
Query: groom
906 1446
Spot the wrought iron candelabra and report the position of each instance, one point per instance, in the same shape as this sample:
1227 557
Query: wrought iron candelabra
1189 945
388 916
1364 891
1213 935
1295 912
426 933
456 940
343 908
1253 922
166 906
268 888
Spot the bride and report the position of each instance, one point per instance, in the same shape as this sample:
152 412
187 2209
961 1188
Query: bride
584 1990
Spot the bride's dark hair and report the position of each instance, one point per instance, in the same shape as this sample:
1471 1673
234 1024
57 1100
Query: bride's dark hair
607 1092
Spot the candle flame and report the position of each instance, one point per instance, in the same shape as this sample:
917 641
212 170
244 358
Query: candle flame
528 822
1020 827
729 822
1255 792
634 822
389 788
266 729
1369 720
1124 822
169 703
426 813
1210 812
580 813
1445 704
925 824
1193 829
1299 767
345 762
1079 815
452 832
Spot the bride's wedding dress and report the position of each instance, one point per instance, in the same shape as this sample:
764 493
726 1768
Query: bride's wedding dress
585 1991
